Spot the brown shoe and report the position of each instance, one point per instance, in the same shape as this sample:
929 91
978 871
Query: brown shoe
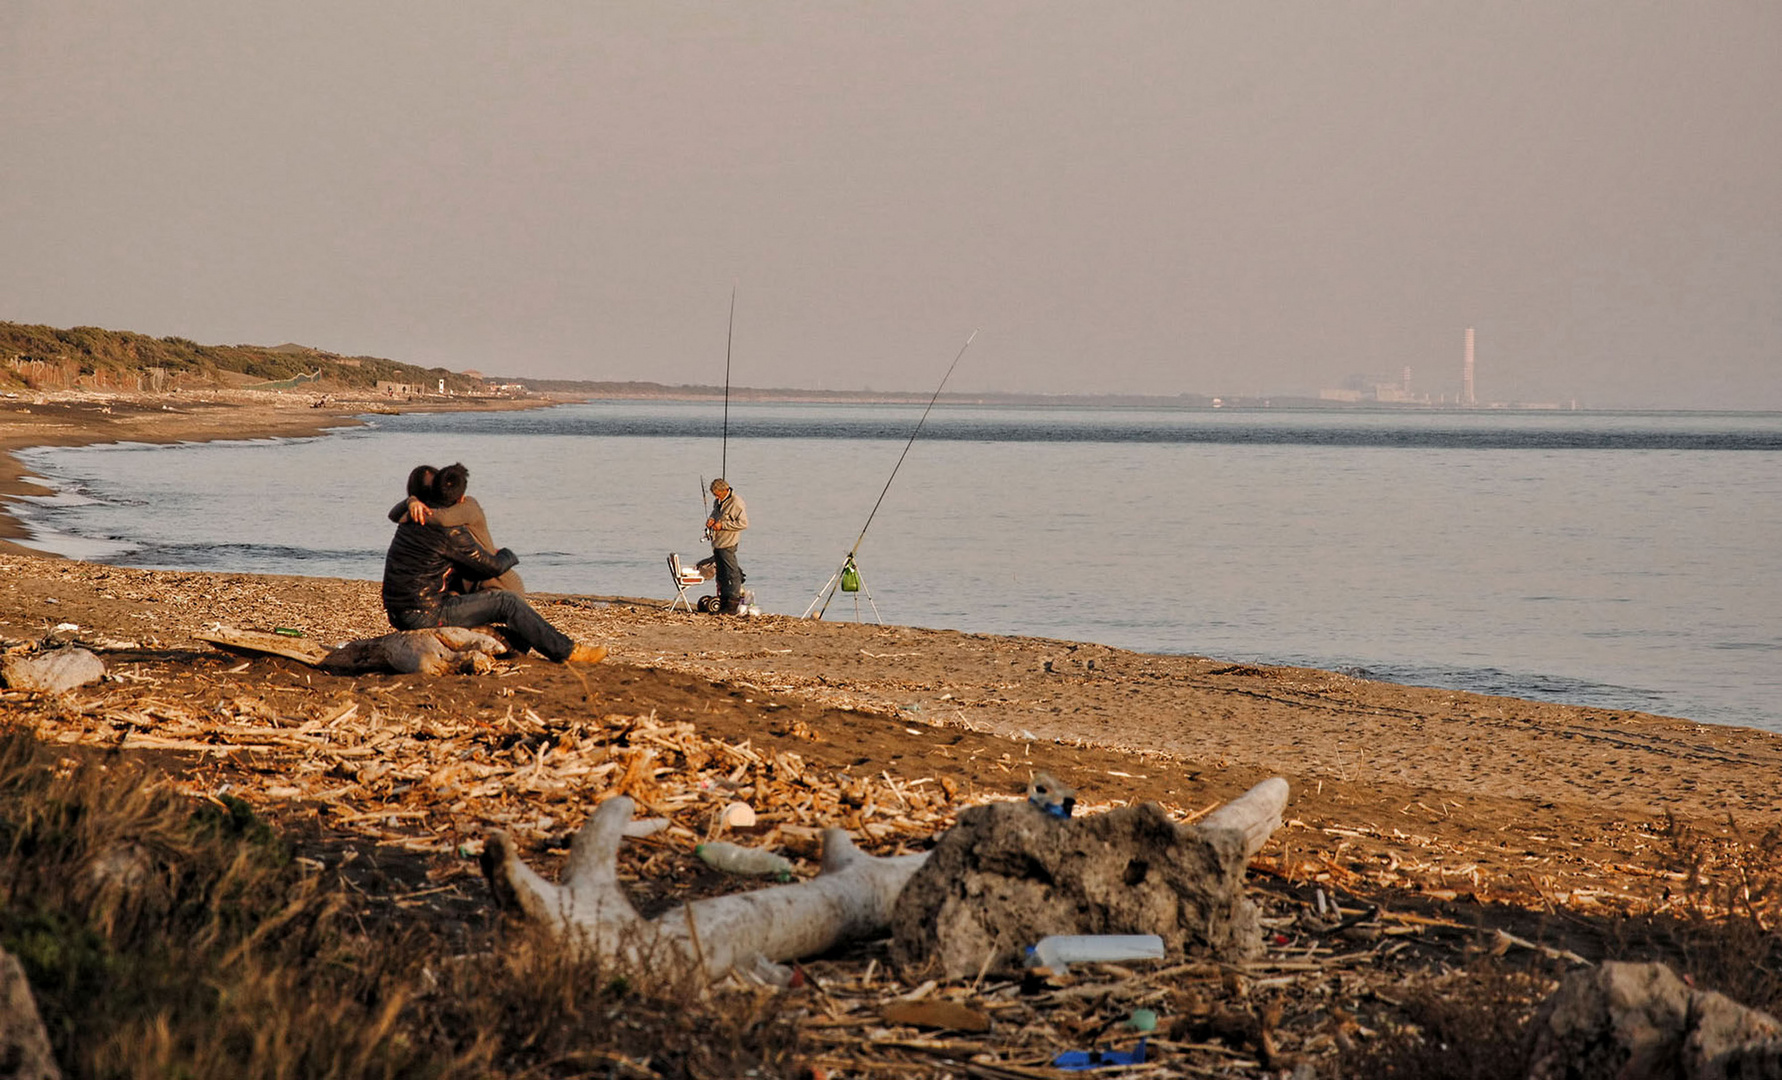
586 654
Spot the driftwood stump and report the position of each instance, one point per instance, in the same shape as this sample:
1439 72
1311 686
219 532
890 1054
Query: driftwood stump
24 1045
55 672
434 651
1009 874
1642 1022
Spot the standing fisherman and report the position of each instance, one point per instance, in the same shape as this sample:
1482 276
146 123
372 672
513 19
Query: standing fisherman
729 518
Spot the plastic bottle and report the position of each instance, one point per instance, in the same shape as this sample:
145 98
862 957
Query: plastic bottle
1059 951
736 859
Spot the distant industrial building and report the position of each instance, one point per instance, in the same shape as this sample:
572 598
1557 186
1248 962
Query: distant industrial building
1384 388
1466 373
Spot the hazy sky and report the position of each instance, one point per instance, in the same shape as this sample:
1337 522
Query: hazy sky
1168 197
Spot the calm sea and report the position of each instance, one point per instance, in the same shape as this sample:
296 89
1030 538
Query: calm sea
1617 560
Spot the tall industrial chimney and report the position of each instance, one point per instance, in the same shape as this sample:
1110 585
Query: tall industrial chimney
1466 373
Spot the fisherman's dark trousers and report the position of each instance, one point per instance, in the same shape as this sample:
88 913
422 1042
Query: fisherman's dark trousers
730 578
527 627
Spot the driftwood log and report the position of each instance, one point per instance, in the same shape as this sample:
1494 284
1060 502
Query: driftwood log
433 651
855 894
851 898
1010 874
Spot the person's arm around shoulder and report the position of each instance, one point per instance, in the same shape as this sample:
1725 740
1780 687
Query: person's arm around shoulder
466 511
411 509
465 552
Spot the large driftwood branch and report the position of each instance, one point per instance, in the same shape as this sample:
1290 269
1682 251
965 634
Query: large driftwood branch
851 898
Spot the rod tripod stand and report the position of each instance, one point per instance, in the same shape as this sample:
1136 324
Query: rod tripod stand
827 593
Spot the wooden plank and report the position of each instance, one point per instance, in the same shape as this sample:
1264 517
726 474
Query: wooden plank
263 643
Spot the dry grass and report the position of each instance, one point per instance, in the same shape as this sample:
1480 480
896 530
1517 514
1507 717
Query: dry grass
1719 925
1462 1025
171 938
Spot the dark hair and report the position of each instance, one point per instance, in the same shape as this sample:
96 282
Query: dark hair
420 482
451 483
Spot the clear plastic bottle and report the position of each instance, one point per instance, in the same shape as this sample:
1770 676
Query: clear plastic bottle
1059 951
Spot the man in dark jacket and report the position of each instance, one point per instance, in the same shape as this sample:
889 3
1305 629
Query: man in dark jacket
421 562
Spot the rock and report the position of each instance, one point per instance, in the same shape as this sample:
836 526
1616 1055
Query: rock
54 672
1642 1022
24 1045
434 651
1008 875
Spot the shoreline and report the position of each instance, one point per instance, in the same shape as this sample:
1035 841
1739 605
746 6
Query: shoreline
87 418
74 418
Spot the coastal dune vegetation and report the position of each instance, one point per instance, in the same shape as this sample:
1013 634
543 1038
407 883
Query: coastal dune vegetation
86 357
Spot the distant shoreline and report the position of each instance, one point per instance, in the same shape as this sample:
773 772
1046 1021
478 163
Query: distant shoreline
577 390
86 418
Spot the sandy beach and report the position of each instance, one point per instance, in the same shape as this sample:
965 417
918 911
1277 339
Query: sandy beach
1446 816
1374 766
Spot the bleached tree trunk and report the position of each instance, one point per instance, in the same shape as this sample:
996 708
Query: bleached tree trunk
850 898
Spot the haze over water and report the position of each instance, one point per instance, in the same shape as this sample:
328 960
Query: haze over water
1615 560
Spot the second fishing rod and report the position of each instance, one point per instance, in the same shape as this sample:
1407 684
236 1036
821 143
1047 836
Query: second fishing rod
847 577
724 439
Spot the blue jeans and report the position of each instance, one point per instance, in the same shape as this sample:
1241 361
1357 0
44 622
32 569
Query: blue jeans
510 610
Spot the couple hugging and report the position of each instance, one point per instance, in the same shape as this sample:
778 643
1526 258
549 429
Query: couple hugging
443 570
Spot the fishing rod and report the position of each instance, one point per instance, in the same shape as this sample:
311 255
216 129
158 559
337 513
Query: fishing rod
848 563
724 442
729 336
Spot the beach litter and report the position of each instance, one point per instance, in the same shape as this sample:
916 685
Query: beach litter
1076 1060
54 672
1058 951
737 815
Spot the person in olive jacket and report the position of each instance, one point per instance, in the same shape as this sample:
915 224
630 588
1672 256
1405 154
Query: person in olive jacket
423 559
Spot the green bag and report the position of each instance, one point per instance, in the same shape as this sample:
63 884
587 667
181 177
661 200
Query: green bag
850 580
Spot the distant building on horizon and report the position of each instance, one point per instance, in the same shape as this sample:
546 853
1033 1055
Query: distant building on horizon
1466 373
1383 388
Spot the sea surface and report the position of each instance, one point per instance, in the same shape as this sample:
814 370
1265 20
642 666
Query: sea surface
1629 561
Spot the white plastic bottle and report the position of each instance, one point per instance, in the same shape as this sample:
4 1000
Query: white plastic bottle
1059 951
